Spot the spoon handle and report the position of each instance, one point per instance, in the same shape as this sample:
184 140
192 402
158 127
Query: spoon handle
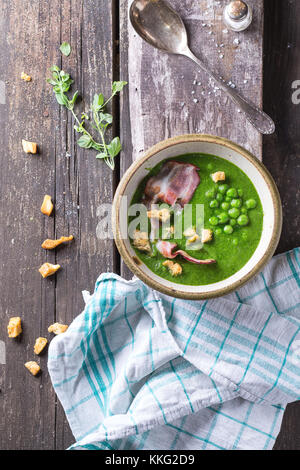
260 120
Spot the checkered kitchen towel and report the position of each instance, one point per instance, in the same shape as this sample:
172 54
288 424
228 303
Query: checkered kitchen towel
140 370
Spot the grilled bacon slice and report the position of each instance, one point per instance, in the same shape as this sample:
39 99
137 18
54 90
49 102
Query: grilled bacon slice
175 182
166 249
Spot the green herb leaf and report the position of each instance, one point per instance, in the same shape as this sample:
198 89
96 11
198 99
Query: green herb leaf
106 118
65 49
101 155
54 68
114 148
118 86
73 100
85 141
98 101
62 99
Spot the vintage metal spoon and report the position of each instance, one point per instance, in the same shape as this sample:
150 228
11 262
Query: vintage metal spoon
158 24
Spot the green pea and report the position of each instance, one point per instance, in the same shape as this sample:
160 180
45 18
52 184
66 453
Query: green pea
213 204
210 166
225 206
232 192
236 203
228 199
218 231
243 220
228 229
217 211
233 222
223 188
234 213
244 236
210 194
235 241
223 218
244 210
240 192
219 197
251 204
214 220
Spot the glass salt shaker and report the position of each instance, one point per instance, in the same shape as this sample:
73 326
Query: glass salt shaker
237 15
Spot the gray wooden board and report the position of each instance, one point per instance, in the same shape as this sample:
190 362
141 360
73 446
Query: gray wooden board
163 87
30 34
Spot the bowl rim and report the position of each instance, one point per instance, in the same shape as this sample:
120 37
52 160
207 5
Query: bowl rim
128 259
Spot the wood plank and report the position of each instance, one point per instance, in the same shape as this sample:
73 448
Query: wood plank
32 33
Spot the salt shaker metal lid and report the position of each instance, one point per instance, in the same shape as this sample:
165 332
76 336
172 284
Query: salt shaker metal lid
237 15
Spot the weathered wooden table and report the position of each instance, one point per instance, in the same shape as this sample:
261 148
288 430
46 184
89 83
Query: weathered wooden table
166 96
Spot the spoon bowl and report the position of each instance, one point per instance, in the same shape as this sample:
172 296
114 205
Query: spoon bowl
159 25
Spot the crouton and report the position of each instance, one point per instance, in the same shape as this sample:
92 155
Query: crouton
174 268
14 327
33 367
40 344
218 176
25 77
29 147
141 241
47 206
206 235
48 269
161 214
57 328
51 244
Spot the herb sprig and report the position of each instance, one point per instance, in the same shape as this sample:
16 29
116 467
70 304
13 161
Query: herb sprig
100 120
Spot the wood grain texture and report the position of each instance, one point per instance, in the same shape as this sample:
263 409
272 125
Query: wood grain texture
31 33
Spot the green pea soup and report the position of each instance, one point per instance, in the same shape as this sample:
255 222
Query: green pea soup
232 210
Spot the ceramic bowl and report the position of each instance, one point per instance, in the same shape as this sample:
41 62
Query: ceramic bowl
223 148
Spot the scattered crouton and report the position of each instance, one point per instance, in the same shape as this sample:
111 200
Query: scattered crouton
25 77
57 328
174 268
33 367
29 147
51 244
161 214
47 206
48 269
14 327
218 176
141 241
40 344
207 235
